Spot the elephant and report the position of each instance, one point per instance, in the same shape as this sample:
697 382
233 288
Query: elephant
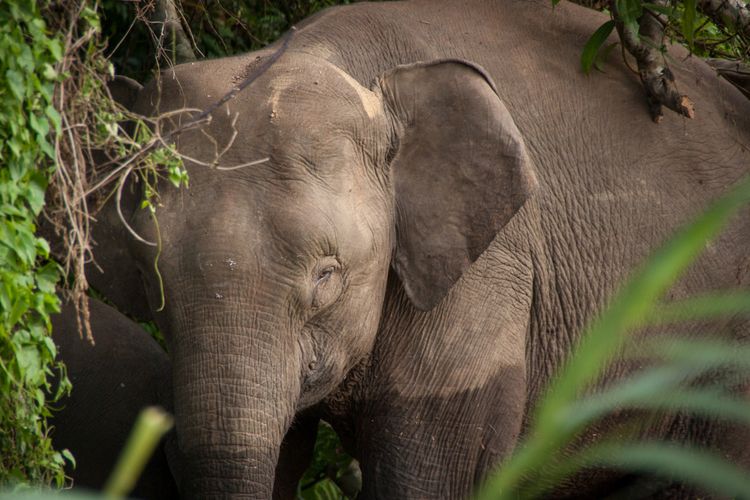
402 226
113 379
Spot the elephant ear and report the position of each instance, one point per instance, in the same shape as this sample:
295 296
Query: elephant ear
460 171
114 272
124 90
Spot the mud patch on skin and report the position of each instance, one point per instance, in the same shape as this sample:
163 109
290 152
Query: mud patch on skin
371 103
279 85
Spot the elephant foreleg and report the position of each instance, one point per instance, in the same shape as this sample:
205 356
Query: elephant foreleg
446 393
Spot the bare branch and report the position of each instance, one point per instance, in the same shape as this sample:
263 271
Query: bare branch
737 73
243 165
118 204
204 116
647 45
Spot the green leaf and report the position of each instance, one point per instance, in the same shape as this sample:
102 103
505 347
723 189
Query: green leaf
49 72
46 147
20 306
54 118
714 305
16 83
39 125
51 347
700 352
69 457
30 363
658 389
629 12
25 59
594 43
602 340
691 466
47 277
35 193
151 425
91 17
688 22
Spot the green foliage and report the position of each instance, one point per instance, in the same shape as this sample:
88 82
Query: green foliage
151 425
28 55
684 24
702 36
35 157
689 15
564 413
218 28
333 474
591 49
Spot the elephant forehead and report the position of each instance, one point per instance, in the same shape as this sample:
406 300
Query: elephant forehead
323 82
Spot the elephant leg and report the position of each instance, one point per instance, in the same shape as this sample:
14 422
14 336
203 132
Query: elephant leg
446 395
295 456
439 447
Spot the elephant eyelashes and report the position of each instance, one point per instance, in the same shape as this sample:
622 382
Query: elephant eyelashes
324 275
327 283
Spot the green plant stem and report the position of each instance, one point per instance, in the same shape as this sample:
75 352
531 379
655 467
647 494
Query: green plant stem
151 425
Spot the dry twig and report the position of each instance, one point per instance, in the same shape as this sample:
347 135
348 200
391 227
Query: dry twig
737 73
88 164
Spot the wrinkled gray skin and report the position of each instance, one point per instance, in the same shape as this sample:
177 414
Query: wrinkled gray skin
448 201
113 380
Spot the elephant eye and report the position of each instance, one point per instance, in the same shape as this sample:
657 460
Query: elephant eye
328 284
324 275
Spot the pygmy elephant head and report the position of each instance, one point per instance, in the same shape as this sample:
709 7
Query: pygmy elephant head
273 274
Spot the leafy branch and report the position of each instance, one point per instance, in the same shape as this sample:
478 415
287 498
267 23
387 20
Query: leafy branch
645 27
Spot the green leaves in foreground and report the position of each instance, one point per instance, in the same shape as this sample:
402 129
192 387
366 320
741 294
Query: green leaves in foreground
28 55
151 425
562 415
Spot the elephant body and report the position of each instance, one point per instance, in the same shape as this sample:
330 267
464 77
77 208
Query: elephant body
113 380
447 202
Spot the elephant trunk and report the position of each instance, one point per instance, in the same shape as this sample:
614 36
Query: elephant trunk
235 394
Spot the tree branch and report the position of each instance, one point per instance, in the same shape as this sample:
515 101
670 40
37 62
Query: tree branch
646 44
737 73
173 42
733 15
